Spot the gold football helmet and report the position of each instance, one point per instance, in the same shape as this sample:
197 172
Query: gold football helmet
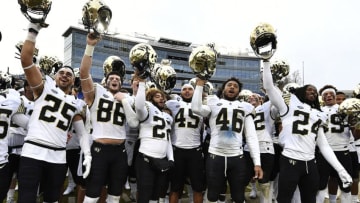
49 64
245 94
356 92
290 87
261 37
35 11
165 76
350 109
143 58
19 46
279 69
96 16
149 85
202 61
350 106
208 87
114 63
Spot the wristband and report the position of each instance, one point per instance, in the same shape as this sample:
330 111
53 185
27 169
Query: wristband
89 50
31 36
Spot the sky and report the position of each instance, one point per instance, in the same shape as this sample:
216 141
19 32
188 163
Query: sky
320 39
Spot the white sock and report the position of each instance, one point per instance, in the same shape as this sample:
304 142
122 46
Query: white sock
112 199
90 199
10 194
332 198
253 186
345 197
320 197
354 198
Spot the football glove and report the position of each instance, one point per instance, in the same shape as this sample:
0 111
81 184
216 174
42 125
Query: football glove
345 178
87 164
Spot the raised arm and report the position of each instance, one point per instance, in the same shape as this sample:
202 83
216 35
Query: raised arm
32 72
87 84
274 95
140 108
196 102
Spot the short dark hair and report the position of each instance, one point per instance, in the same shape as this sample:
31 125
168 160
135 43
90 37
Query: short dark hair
219 92
327 87
114 73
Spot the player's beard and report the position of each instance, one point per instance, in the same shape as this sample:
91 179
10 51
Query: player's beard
187 100
229 98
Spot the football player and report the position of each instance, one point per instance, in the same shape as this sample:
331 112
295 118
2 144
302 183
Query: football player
16 139
264 125
302 129
338 136
186 141
155 155
228 119
12 110
43 157
110 110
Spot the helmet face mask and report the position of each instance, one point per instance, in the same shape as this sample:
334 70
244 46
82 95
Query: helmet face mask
96 16
36 11
263 41
202 61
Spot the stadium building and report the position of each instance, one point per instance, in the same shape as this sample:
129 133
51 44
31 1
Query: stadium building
244 66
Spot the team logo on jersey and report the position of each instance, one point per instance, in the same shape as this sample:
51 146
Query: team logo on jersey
97 149
156 112
168 121
177 106
300 107
54 91
219 104
105 95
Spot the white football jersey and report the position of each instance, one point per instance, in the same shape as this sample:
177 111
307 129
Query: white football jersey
226 121
155 132
300 127
187 125
337 132
50 122
16 133
10 103
264 125
107 115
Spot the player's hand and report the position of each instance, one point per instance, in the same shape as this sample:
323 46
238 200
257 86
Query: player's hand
258 172
34 28
93 38
345 178
87 164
